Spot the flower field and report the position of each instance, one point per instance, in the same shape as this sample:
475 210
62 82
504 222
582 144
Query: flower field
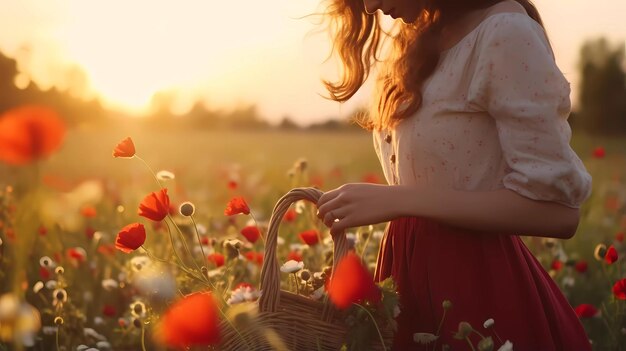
139 240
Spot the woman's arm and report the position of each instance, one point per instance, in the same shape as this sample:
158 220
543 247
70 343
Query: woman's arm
500 211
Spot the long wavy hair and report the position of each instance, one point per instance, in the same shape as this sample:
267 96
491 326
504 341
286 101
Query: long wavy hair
357 39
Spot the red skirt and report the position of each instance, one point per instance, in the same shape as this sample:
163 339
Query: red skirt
484 276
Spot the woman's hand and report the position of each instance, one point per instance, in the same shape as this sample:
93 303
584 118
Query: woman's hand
358 204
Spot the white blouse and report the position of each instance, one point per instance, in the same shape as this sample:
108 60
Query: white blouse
494 115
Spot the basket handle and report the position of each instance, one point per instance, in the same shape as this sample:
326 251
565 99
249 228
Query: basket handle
270 271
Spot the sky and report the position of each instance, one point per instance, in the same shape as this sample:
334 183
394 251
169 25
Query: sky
226 53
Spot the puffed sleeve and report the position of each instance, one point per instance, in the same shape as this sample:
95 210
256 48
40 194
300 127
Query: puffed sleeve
518 83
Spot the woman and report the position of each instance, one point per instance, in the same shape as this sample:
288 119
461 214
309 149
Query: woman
470 125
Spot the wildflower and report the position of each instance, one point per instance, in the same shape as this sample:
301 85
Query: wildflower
599 252
485 344
125 148
130 238
352 282
88 212
586 310
138 262
106 249
90 332
109 284
47 262
232 247
138 309
598 152
371 178
291 266
51 284
611 255
446 304
59 297
251 233
29 133
290 215
232 185
556 265
217 258
581 266
109 310
256 257
488 323
187 209
465 329
245 293
305 275
191 321
237 205
77 253
424 338
37 287
309 237
59 270
165 175
155 206
619 289
507 346
294 256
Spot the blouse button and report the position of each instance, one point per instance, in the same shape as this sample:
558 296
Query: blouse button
388 139
392 158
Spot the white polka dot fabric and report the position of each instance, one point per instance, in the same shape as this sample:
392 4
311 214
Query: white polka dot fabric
494 114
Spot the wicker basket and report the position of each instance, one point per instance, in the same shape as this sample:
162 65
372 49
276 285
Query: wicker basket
300 322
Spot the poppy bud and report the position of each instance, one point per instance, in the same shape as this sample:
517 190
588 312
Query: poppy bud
447 304
465 329
187 209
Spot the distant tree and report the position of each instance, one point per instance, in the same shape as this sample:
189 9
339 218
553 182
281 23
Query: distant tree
288 124
603 88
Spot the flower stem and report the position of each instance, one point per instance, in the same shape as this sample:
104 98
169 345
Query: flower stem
258 227
57 338
182 238
476 331
497 336
143 337
151 171
470 343
439 329
380 335
195 227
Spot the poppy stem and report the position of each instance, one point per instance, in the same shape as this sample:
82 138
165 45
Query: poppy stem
143 337
57 337
470 343
195 227
497 336
443 317
151 171
182 238
380 335
258 227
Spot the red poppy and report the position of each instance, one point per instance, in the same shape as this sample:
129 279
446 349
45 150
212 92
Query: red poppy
232 185
371 178
317 181
612 203
309 237
125 148
29 133
155 206
581 266
109 310
599 152
77 253
556 265
294 255
44 273
42 231
611 255
619 289
90 232
237 205
88 212
255 257
352 282
290 215
217 259
619 237
107 249
131 237
251 233
192 321
243 285
585 310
